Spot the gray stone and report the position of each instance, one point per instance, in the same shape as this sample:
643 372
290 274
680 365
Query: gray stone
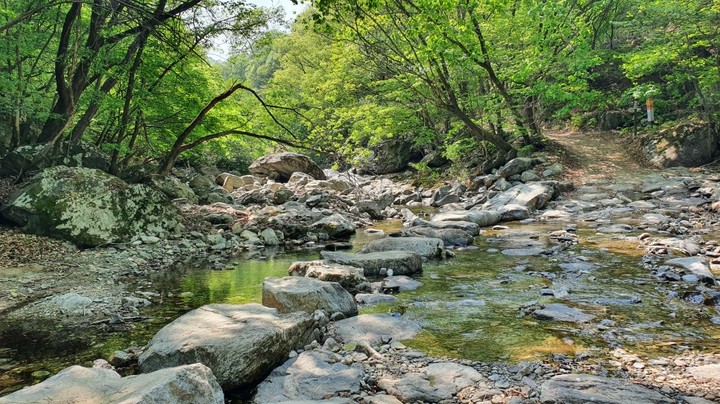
172 187
349 277
449 236
369 299
689 144
89 207
482 218
705 372
269 237
382 399
294 293
553 170
561 312
515 166
615 228
425 247
240 343
312 375
452 375
76 384
468 227
402 283
280 166
532 196
582 389
401 262
231 182
513 212
522 252
336 226
529 176
374 328
697 266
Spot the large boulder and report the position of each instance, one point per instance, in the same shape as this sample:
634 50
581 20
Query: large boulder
532 196
689 144
193 383
89 207
280 166
581 389
37 157
401 262
390 156
312 375
336 226
294 293
422 246
240 343
349 277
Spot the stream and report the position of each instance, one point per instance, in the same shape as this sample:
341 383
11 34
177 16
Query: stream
470 306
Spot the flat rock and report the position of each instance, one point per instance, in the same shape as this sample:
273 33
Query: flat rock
402 283
375 327
425 247
76 384
615 228
336 226
522 252
582 389
469 227
413 387
706 372
449 236
697 266
294 293
369 299
401 262
349 277
482 218
561 312
312 375
240 343
531 195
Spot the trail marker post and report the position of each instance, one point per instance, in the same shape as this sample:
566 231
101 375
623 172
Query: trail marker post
650 111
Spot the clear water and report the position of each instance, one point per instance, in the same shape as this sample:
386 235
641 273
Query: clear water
469 306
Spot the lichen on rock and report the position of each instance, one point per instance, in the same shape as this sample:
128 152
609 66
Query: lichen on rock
89 207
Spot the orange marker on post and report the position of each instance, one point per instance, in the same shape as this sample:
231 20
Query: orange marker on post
650 111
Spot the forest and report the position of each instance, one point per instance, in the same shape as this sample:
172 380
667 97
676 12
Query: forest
374 84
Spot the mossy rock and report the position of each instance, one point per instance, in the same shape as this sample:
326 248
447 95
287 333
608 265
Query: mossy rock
89 207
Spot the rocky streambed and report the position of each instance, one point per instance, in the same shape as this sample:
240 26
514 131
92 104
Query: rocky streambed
612 280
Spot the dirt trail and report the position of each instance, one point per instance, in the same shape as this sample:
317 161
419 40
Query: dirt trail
592 157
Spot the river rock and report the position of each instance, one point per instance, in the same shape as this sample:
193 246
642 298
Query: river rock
370 299
240 343
482 218
561 312
336 226
401 262
449 236
401 283
349 277
172 187
232 182
468 227
441 381
77 384
294 293
280 166
582 389
706 372
512 212
36 157
697 266
312 375
532 196
89 207
374 328
425 247
515 166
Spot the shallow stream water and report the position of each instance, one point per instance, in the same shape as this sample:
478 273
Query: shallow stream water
470 306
